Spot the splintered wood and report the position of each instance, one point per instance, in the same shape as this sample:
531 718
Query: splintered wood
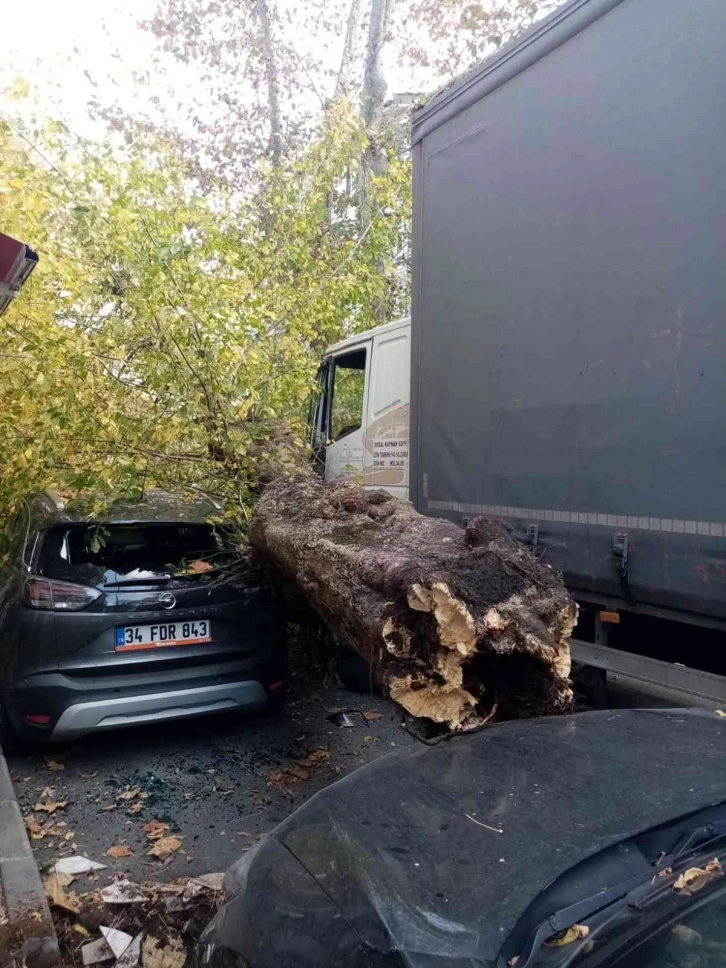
455 624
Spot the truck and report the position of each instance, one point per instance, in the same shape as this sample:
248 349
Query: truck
563 367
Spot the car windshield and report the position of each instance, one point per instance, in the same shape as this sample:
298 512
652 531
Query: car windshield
694 938
100 554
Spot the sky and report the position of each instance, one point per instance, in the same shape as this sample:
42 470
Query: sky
71 50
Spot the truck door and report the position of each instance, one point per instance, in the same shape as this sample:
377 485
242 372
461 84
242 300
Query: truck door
386 440
347 394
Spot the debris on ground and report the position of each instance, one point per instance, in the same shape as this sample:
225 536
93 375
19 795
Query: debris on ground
146 933
77 865
284 778
122 891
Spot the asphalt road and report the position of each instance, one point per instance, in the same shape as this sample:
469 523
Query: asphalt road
220 783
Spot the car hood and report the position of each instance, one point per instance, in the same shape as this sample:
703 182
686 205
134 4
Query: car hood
436 852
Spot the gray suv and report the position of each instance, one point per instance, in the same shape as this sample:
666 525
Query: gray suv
140 616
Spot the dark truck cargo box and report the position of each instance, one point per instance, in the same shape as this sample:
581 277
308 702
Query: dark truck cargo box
569 300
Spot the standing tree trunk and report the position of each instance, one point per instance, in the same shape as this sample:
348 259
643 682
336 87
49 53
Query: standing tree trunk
347 57
273 81
374 83
454 625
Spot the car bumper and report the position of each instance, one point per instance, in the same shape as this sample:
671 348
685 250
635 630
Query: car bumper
77 705
86 717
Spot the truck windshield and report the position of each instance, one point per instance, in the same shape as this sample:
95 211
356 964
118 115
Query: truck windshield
348 387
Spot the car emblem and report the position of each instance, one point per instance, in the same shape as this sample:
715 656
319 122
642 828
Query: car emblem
167 600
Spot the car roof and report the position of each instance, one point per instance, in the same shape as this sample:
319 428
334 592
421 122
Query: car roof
157 507
443 848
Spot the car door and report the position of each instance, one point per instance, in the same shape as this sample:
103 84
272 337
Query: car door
348 388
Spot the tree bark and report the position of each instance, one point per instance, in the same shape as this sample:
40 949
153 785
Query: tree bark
456 625
374 83
273 81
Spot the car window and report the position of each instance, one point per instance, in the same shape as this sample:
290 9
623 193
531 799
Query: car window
348 389
98 554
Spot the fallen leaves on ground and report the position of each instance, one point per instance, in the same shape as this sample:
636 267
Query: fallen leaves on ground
48 829
50 806
695 878
109 808
721 713
130 793
285 777
54 887
573 933
119 850
163 847
155 829
154 954
55 765
371 715
313 759
136 807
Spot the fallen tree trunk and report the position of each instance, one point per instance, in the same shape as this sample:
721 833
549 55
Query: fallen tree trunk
454 624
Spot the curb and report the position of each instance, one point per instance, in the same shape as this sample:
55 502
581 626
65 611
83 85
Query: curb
22 897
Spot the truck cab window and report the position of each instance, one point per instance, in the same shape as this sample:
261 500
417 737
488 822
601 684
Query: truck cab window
349 375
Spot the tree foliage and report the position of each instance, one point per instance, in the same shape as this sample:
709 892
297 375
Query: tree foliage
167 337
452 36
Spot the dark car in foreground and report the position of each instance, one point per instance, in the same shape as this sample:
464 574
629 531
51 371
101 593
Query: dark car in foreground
139 615
559 841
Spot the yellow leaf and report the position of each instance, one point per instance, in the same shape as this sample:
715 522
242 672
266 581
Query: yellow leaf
573 933
50 806
15 183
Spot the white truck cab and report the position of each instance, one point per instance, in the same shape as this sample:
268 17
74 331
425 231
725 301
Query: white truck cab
360 418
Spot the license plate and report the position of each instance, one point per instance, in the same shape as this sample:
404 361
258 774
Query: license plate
131 638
